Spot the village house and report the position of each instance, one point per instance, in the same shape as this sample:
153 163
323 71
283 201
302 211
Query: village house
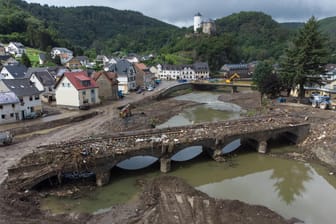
330 73
45 83
16 48
144 78
196 71
29 96
154 70
243 70
76 89
102 60
64 54
84 61
133 58
126 75
73 63
9 107
108 84
13 71
7 60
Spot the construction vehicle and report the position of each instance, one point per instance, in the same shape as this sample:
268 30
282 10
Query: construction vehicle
6 138
126 111
232 77
323 102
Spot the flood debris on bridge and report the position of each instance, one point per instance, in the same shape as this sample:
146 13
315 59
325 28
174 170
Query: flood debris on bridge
99 154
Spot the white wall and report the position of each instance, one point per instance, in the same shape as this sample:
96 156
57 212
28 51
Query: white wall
29 102
9 112
5 74
123 84
67 94
37 83
197 22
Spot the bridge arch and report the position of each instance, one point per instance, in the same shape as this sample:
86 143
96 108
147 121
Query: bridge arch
137 162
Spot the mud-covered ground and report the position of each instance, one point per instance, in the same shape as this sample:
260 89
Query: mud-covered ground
167 199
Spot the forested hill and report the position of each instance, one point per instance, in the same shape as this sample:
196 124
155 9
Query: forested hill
241 37
257 35
101 28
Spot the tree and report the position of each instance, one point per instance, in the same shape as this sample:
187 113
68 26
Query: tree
287 70
25 60
266 80
307 57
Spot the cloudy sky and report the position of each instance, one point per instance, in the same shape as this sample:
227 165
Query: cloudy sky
181 12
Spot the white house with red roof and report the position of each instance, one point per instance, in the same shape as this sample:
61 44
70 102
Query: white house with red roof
76 89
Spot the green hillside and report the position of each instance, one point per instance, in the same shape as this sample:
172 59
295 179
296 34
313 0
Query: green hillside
103 28
328 26
241 37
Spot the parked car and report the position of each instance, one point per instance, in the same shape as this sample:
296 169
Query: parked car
150 88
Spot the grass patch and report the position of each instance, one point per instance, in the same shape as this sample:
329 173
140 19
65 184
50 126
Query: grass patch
33 55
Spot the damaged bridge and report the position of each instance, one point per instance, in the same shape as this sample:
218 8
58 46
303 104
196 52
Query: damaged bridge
100 154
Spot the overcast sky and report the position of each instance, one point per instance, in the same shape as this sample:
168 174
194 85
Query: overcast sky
181 12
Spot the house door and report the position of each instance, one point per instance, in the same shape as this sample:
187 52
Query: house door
93 96
22 114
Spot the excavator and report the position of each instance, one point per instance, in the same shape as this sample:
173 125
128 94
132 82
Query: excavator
232 77
126 111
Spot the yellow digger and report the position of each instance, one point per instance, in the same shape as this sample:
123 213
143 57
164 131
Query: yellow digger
232 77
126 111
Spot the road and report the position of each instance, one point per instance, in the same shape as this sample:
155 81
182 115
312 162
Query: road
9 155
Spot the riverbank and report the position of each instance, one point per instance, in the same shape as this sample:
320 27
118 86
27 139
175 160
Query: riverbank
318 147
161 197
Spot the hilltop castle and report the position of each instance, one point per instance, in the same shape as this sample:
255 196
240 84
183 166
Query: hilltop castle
207 26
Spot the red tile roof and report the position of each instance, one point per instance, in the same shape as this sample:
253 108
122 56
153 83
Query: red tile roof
141 66
78 79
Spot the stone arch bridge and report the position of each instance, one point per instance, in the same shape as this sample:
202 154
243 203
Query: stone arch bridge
101 154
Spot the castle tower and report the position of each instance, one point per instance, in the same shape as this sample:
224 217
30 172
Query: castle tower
197 22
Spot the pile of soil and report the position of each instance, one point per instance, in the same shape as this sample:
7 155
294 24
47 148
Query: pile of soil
23 208
169 200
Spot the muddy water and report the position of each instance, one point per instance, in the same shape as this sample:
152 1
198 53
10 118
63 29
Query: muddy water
292 189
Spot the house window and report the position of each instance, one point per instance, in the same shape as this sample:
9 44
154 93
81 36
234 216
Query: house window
37 97
1 107
30 98
3 116
92 91
63 84
13 105
84 93
68 84
86 83
12 115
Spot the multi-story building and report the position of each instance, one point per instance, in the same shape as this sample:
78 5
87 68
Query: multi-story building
196 71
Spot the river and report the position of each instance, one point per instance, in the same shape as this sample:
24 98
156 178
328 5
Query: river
290 188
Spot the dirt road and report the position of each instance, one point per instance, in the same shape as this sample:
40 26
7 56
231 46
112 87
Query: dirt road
106 121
